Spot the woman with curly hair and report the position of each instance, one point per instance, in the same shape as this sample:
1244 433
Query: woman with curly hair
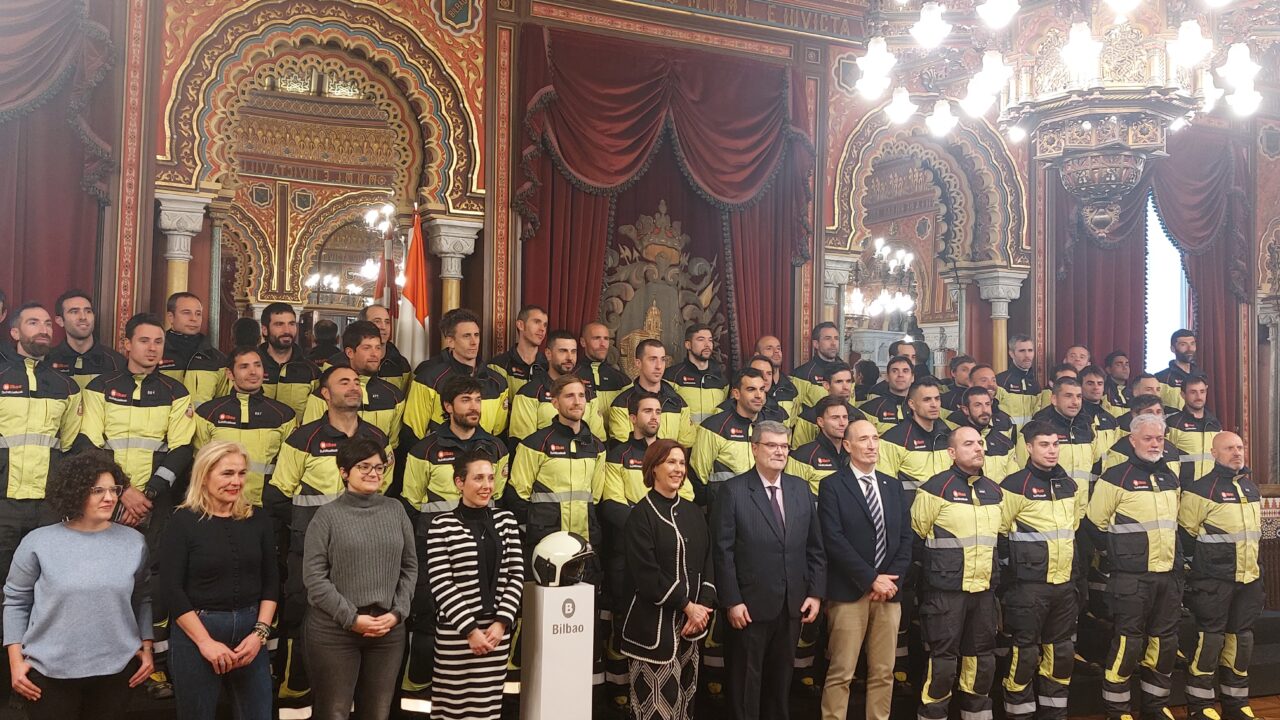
77 616
221 583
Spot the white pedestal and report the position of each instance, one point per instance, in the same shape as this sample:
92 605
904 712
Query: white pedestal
558 637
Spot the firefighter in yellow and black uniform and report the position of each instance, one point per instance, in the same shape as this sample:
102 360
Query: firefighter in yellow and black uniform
460 331
80 355
809 376
1193 428
1133 513
723 448
306 478
1222 518
287 374
39 421
1042 508
1018 390
956 515
249 418
556 480
146 420
700 380
189 357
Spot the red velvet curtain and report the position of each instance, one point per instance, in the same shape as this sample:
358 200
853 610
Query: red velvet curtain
1202 199
1200 193
53 163
1089 274
600 110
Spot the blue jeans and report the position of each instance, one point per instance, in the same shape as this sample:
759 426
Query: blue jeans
197 687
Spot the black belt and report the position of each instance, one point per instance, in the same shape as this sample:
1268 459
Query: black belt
374 610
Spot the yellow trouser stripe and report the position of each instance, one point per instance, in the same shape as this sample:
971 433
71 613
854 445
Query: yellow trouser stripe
968 673
1113 673
1229 647
1152 656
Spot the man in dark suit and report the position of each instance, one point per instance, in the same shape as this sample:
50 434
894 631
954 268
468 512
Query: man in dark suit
866 531
770 573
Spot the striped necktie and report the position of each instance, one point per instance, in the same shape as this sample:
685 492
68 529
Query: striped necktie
877 517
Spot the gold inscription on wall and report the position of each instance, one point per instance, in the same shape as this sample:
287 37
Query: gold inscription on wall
777 14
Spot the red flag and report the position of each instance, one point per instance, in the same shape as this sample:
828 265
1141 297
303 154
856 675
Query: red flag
414 304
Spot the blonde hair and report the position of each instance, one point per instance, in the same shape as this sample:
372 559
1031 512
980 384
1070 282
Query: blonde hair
199 499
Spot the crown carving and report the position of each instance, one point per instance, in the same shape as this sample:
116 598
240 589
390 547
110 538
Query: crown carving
657 236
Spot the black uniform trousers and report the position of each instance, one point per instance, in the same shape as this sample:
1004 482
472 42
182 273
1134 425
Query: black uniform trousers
759 660
1040 619
1145 608
959 629
1224 613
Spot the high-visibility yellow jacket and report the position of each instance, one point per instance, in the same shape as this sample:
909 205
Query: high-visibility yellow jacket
382 404
1115 400
290 383
1171 380
1122 452
912 454
1103 423
557 476
424 410
814 461
307 476
531 409
958 516
514 371
1221 514
1134 514
723 448
199 366
84 367
808 379
885 411
1000 422
1194 439
806 428
1001 458
39 420
1042 510
703 390
606 380
623 482
256 422
395 369
1019 394
785 395
428 470
146 421
1078 450
676 423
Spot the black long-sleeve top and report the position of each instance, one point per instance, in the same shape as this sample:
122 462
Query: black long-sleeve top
217 563
479 522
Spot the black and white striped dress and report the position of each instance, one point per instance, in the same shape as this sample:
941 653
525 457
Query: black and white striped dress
465 685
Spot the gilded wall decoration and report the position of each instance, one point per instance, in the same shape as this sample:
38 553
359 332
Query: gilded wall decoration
440 75
653 288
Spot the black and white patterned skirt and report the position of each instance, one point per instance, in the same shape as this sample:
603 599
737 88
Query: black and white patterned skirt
664 691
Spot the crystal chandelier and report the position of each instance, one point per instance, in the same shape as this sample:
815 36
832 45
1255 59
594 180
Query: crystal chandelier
882 283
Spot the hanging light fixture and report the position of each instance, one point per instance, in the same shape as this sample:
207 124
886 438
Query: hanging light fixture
941 120
901 109
1081 55
1239 69
998 13
875 66
1122 9
1191 46
976 100
930 30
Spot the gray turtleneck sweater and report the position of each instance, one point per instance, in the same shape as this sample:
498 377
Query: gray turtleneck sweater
360 552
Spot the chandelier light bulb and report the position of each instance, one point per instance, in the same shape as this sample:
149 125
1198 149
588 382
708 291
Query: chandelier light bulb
997 13
1191 47
930 30
371 218
388 209
1122 9
1245 100
1081 54
878 60
1215 4
879 243
940 121
994 72
1239 69
901 109
1017 134
976 101
872 87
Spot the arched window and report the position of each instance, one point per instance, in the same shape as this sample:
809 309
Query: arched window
1168 295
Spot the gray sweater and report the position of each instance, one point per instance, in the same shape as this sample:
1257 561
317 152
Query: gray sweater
359 552
78 601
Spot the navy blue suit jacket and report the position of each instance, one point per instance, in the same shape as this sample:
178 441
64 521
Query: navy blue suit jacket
849 535
769 568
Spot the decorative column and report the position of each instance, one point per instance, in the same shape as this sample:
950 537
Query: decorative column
181 217
835 279
451 239
957 287
1000 287
1269 315
218 209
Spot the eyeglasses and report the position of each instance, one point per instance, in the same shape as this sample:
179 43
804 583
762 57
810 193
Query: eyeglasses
774 447
98 491
366 468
